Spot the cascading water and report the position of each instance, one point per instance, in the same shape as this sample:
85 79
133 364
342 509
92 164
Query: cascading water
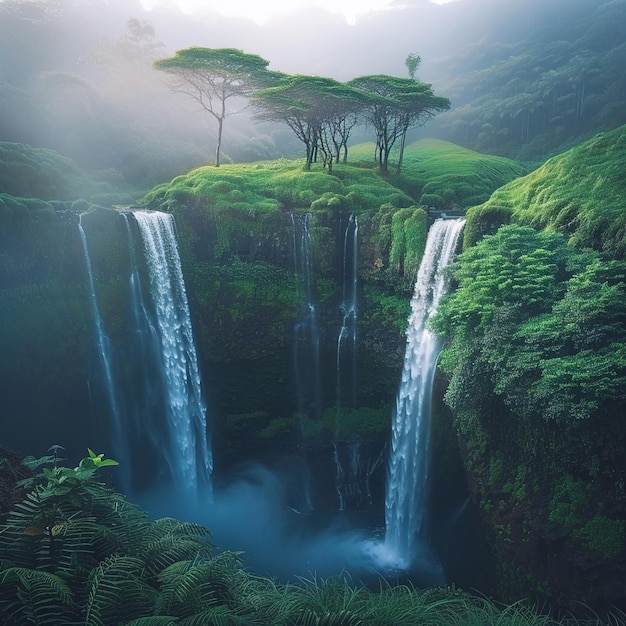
306 330
346 341
348 470
355 463
408 480
103 345
142 383
189 456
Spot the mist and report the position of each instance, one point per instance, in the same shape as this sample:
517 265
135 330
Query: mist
250 511
77 77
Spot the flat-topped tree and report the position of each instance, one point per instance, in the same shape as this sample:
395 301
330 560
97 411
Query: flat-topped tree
397 104
212 76
320 111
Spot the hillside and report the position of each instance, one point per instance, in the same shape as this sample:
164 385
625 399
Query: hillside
541 78
579 194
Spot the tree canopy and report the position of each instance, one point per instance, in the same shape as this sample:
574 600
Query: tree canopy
213 76
320 111
397 105
541 320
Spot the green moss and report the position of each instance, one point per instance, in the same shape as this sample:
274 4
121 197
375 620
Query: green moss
483 220
569 501
346 423
262 188
579 193
442 174
495 470
604 535
409 229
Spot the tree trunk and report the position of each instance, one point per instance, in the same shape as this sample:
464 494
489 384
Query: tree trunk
220 123
401 156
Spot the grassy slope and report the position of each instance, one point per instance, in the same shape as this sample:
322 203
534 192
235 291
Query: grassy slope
446 175
269 186
580 193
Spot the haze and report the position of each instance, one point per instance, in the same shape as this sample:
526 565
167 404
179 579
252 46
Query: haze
76 75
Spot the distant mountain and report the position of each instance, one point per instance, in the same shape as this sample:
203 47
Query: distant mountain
542 77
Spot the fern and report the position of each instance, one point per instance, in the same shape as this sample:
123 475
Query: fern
38 597
168 540
155 620
217 616
341 618
117 591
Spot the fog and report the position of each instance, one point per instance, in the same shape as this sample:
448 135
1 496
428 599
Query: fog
249 511
76 75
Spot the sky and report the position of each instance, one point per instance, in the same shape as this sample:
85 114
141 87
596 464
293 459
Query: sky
262 12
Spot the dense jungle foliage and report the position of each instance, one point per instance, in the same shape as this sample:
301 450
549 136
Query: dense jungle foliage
76 552
544 77
534 331
535 349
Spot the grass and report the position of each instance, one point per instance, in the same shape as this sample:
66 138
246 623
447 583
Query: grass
442 174
270 186
579 193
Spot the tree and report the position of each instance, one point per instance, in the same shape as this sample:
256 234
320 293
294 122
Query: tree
320 111
412 62
213 76
397 104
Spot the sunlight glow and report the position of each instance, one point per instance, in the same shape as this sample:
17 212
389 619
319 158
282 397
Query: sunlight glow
261 12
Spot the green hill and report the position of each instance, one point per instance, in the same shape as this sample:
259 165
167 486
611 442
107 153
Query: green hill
45 174
579 194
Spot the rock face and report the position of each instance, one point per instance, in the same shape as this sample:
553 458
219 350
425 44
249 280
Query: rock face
273 388
247 297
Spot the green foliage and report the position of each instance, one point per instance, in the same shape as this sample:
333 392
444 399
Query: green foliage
483 220
552 339
554 83
570 507
451 176
346 423
45 174
260 188
140 572
385 310
604 535
409 229
578 193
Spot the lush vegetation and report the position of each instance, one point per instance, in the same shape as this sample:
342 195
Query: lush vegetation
43 174
76 552
535 355
446 176
526 91
260 188
579 194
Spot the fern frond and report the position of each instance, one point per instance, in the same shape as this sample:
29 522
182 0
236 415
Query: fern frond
117 592
155 620
217 616
340 618
274 604
39 597
162 548
179 527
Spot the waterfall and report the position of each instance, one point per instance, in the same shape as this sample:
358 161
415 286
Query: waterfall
103 345
306 330
347 333
143 383
408 480
186 449
355 463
